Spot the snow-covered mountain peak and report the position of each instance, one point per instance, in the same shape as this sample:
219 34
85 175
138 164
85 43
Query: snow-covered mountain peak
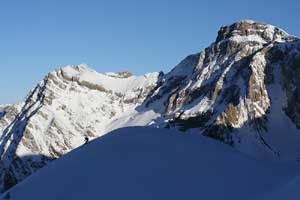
82 69
77 69
230 91
119 82
248 30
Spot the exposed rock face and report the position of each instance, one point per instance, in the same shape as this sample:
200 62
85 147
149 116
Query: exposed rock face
243 90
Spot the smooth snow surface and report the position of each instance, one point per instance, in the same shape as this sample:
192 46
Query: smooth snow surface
289 191
143 163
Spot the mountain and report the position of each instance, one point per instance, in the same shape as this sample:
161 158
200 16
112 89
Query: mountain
148 163
67 105
242 90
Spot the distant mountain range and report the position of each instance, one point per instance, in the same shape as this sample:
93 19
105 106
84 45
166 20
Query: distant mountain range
242 90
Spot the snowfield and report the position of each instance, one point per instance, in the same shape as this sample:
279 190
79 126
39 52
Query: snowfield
147 163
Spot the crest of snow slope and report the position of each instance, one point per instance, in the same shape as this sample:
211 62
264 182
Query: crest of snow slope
67 105
147 163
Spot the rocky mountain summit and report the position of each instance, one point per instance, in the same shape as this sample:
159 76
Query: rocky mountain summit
242 90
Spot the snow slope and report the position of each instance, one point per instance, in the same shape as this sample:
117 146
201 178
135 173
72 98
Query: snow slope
290 191
147 163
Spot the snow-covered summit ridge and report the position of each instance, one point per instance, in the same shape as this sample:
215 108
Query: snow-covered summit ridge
113 82
249 30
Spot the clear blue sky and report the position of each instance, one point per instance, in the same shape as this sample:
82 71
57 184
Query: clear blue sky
140 36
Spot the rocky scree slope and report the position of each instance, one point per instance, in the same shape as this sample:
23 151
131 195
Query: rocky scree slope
242 90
